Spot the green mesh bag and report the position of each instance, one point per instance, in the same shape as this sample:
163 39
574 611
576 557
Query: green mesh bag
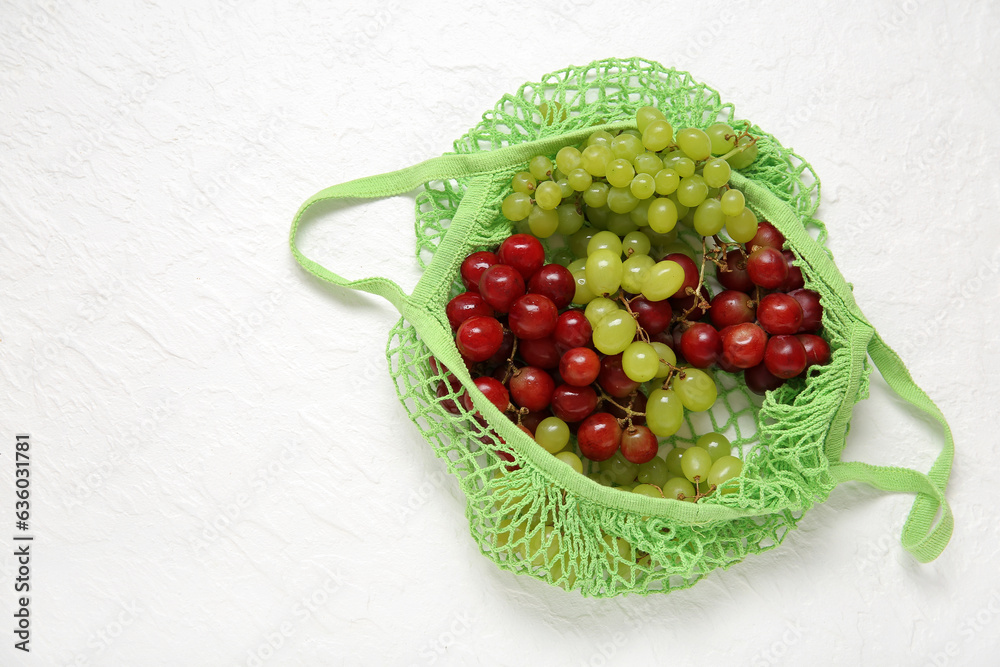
544 519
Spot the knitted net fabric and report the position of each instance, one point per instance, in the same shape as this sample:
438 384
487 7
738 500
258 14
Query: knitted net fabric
591 538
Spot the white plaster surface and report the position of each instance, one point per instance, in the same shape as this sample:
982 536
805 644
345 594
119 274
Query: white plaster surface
221 470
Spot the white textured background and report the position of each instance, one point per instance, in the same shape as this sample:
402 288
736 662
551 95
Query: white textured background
222 474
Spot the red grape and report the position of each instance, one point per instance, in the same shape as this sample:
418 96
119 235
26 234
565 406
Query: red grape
736 278
478 338
612 377
532 388
473 267
638 444
812 309
464 306
573 329
579 366
652 316
731 307
817 349
700 345
794 280
785 356
767 236
533 316
690 272
760 380
445 390
742 345
501 286
779 314
494 391
555 282
533 418
541 352
599 436
503 352
523 252
571 404
767 267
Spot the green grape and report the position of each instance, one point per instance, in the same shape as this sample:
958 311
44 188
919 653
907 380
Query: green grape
708 218
522 226
579 241
577 265
572 460
596 159
692 190
626 146
716 444
742 227
695 143
662 215
524 182
605 241
643 186
600 138
747 156
621 223
619 556
622 470
580 179
640 214
583 294
568 158
634 272
665 358
516 206
663 281
717 134
621 200
639 361
570 219
657 135
565 189
548 195
543 223
596 195
647 163
598 308
688 220
648 490
634 132
552 434
625 487
562 256
597 215
604 271
713 193
555 114
544 547
653 472
557 175
716 172
646 115
614 333
682 210
696 389
684 166
620 172
664 413
681 247
723 470
732 202
540 167
673 462
696 463
679 488
659 240
635 243
666 181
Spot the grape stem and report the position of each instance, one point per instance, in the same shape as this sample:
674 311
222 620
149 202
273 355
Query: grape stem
739 149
